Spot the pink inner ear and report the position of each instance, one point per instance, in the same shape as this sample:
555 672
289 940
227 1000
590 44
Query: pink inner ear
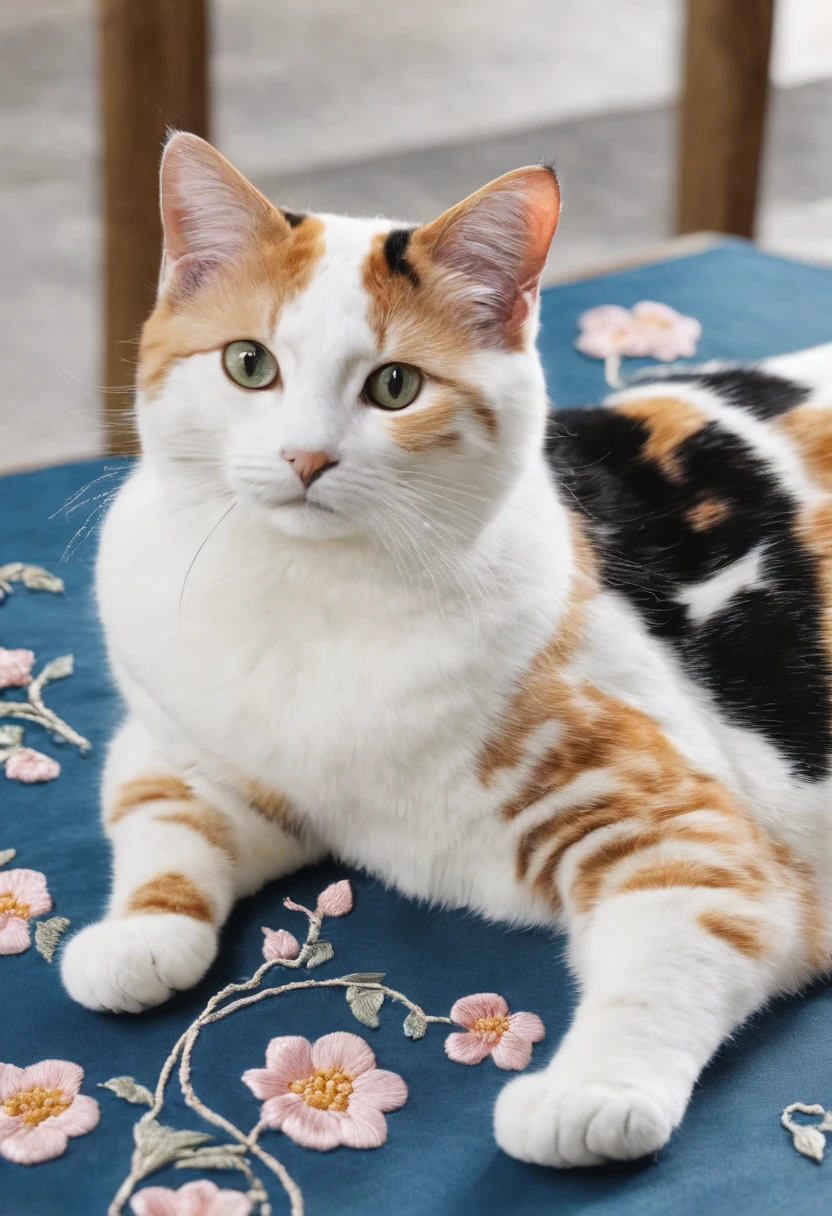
499 240
210 213
191 272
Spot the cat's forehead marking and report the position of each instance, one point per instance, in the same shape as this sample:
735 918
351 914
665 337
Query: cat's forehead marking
395 252
414 305
416 320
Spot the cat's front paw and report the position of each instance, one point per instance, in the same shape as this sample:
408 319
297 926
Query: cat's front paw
128 965
539 1119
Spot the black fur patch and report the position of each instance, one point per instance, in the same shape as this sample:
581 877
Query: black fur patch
759 392
293 218
762 655
395 252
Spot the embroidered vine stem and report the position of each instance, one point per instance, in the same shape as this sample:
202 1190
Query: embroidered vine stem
612 371
183 1050
34 710
335 983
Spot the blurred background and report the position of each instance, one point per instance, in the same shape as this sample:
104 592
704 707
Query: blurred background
394 107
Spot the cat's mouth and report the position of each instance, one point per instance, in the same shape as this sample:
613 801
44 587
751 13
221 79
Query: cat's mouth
305 519
301 503
310 505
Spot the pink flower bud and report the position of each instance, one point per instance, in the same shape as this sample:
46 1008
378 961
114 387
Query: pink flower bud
336 899
15 667
30 766
279 944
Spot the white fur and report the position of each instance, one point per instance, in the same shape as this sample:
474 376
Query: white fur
705 598
358 659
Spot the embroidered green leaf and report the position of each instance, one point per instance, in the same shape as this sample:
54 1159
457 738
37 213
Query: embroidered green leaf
33 577
365 977
130 1090
58 669
415 1025
321 952
47 935
365 1004
7 855
213 1157
157 1145
810 1141
38 579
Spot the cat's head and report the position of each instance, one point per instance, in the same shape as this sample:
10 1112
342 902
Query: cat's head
345 376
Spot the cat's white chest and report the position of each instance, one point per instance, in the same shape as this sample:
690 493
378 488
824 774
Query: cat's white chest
369 713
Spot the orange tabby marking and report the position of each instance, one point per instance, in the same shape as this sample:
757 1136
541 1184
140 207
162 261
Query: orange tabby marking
169 893
741 932
210 824
152 787
274 805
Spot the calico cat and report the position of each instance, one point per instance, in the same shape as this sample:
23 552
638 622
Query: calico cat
365 595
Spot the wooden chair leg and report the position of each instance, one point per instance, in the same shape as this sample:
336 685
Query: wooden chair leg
723 109
154 57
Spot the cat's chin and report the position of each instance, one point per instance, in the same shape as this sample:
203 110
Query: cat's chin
306 521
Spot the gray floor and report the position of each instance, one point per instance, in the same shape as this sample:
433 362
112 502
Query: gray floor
616 168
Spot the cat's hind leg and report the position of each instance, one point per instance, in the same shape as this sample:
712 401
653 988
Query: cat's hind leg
674 943
180 859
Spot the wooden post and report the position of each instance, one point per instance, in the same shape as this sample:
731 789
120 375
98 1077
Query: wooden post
154 56
723 110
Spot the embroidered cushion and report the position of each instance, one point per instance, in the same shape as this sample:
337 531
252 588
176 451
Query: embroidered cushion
439 1157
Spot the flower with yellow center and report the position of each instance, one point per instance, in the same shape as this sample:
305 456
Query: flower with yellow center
326 1093
40 1108
23 896
492 1030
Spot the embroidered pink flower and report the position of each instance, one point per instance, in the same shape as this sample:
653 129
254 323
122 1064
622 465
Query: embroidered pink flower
15 667
30 766
279 944
23 894
492 1031
326 1093
606 330
665 333
336 899
193 1199
648 329
40 1108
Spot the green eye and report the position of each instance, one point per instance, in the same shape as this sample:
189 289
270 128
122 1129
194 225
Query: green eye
393 386
249 364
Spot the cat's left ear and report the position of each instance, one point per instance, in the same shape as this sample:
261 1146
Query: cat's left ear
495 245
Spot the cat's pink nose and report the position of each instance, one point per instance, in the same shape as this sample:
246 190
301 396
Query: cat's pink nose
309 466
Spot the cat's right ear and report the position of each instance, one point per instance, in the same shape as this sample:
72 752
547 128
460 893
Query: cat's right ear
210 213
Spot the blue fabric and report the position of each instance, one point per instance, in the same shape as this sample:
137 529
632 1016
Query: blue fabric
440 1160
751 305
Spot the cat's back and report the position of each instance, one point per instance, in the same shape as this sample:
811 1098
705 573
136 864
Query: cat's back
708 500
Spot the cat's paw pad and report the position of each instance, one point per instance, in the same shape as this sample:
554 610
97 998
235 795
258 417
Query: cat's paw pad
128 965
540 1120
